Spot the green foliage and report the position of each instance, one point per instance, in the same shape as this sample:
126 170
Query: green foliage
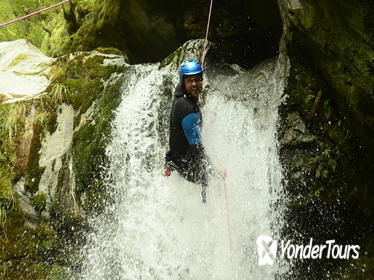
326 163
35 29
6 197
12 117
59 92
39 201
25 251
9 125
78 81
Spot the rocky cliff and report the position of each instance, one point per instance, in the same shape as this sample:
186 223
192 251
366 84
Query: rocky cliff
328 152
51 157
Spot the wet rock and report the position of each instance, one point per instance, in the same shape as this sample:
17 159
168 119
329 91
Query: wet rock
330 87
294 131
51 151
25 204
54 148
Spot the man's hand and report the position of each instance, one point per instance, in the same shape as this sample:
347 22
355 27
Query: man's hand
222 172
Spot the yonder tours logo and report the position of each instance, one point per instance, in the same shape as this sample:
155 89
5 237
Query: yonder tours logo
269 250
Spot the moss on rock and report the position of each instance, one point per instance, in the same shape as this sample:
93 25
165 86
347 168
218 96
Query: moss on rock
338 46
23 250
89 156
6 196
326 84
77 80
12 118
33 27
34 171
80 79
39 201
331 86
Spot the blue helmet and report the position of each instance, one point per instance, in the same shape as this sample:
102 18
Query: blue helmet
190 67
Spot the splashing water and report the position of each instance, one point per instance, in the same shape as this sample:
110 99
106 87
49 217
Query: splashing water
157 227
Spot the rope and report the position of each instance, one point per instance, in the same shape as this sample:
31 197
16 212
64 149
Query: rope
34 13
206 36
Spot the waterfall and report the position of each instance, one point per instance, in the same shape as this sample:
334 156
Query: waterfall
157 227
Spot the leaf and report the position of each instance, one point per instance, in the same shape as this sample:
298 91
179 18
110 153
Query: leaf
325 173
333 164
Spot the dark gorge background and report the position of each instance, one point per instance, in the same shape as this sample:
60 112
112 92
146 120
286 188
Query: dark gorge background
326 125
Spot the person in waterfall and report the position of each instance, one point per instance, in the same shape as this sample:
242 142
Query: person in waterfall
187 154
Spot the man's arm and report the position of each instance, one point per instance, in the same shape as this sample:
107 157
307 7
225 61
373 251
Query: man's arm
191 128
196 153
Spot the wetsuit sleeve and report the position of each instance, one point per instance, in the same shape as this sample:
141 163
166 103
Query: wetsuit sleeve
196 154
191 128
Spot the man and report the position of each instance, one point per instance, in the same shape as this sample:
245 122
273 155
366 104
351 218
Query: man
187 154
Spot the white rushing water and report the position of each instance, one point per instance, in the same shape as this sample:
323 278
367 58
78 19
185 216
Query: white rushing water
157 227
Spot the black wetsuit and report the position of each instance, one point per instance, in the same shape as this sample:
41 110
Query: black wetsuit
187 153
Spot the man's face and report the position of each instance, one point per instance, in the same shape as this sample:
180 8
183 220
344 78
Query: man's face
193 85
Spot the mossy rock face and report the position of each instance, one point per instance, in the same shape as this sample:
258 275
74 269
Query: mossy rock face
6 196
329 181
27 245
89 144
329 77
25 251
20 138
89 84
79 81
336 40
